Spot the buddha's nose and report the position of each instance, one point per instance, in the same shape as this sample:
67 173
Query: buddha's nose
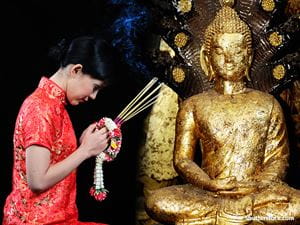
228 58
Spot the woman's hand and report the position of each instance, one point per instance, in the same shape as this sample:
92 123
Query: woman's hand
94 141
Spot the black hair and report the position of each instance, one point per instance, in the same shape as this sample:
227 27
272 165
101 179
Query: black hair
93 53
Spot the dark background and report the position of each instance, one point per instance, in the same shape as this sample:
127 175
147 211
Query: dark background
28 29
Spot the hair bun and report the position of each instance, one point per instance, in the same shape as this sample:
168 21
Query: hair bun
58 51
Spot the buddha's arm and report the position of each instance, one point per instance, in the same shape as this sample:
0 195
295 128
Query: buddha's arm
276 150
185 147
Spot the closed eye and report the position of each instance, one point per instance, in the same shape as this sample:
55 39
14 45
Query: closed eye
96 87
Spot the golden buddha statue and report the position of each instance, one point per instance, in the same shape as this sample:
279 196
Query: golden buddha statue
243 142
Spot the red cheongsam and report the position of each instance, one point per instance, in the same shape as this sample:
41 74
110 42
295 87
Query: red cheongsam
44 121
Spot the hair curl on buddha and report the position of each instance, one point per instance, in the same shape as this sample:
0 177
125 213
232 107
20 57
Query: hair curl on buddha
227 21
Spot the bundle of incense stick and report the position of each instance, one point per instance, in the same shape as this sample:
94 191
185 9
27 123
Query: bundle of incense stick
144 99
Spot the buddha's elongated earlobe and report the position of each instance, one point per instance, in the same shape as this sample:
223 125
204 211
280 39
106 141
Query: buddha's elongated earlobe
212 74
206 65
247 74
248 68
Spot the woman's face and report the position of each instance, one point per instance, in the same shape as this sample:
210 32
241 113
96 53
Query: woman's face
82 87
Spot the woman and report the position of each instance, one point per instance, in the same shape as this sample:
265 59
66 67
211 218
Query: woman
46 154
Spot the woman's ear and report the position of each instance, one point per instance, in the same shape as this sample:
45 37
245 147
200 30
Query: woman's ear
76 69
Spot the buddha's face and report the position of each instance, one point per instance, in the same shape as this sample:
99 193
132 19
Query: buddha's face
230 58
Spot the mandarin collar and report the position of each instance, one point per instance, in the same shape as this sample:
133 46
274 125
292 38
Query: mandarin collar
52 89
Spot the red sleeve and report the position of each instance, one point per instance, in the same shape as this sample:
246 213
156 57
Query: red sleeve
38 125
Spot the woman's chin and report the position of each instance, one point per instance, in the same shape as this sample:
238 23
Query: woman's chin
76 102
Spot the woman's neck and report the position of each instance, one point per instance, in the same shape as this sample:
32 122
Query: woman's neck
227 87
59 78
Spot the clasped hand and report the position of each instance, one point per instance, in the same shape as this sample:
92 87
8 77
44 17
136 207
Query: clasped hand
93 140
231 187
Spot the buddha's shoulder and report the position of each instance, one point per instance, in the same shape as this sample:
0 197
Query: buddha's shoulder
260 96
201 100
254 92
203 96
264 100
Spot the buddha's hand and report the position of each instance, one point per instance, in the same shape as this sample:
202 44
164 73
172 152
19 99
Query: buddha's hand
241 188
222 184
266 179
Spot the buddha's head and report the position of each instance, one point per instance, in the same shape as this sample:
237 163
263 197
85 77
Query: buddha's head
227 51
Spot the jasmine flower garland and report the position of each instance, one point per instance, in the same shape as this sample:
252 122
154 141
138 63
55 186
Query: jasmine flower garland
98 190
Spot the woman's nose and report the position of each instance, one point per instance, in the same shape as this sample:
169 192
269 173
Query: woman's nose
93 95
